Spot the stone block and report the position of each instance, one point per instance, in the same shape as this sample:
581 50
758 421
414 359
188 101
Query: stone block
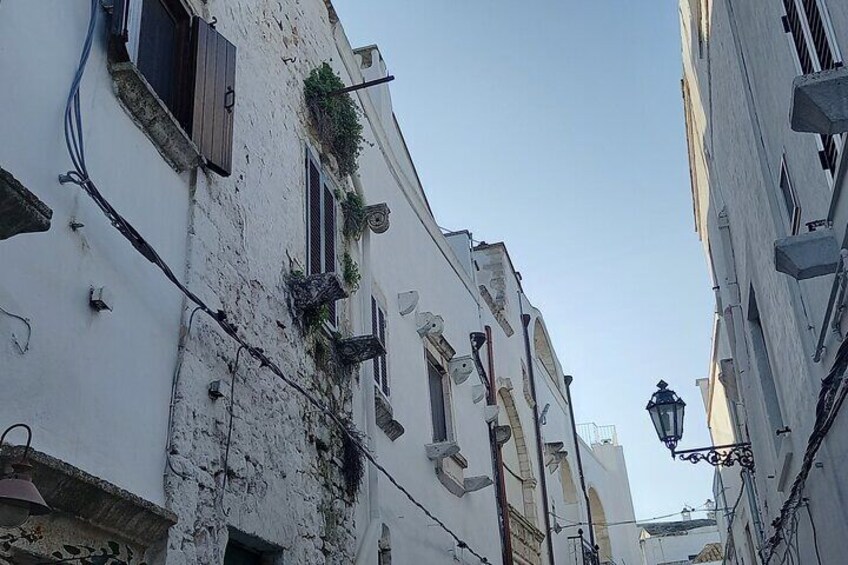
807 255
436 451
316 290
360 348
20 210
820 102
472 484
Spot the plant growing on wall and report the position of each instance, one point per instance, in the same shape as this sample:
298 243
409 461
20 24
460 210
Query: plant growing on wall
336 117
350 272
111 554
353 208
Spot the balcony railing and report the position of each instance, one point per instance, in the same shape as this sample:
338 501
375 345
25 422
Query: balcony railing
594 434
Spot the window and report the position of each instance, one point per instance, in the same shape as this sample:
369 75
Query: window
790 199
237 554
438 401
759 347
378 328
187 64
806 22
321 223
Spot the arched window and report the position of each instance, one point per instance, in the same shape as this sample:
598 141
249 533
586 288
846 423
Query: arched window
599 521
516 458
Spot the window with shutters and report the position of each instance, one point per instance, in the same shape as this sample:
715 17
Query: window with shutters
439 384
321 221
380 364
790 199
808 26
189 68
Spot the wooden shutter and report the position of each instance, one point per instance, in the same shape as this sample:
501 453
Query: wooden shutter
214 96
313 203
375 330
330 241
118 32
384 375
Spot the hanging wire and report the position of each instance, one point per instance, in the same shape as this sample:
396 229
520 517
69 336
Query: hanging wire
815 533
80 176
25 347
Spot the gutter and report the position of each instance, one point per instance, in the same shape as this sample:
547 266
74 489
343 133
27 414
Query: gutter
568 380
497 461
525 321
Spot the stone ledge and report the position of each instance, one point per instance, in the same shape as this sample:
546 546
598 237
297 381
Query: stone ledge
385 417
807 255
820 102
68 489
153 117
20 210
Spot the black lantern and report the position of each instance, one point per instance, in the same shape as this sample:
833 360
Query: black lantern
666 410
19 499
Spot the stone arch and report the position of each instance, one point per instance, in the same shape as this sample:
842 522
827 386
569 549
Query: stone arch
569 489
543 349
599 525
516 448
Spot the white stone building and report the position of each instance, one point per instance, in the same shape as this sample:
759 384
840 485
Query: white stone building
679 542
768 172
183 435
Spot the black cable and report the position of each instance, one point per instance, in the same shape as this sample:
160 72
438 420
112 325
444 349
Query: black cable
232 411
80 177
23 349
174 383
815 533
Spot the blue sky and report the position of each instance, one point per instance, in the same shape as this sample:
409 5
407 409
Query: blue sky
556 126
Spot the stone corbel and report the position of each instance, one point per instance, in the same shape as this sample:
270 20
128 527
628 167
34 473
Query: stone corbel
441 450
478 393
820 102
377 217
471 484
316 290
460 368
554 453
502 434
807 255
20 210
490 412
407 301
360 348
504 383
429 324
385 417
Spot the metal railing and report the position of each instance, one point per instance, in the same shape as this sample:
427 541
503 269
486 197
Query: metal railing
594 434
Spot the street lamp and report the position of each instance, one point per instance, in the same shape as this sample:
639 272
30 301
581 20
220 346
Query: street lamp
19 499
667 409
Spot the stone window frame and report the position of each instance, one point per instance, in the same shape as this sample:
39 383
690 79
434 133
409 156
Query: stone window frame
432 355
789 197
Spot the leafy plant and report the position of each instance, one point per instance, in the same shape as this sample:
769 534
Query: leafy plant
336 118
314 319
353 460
350 272
353 208
111 554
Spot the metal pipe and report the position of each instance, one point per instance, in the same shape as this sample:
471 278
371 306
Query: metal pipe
525 320
497 458
360 86
568 380
827 311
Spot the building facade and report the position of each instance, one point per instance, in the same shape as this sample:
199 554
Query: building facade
766 189
277 356
680 542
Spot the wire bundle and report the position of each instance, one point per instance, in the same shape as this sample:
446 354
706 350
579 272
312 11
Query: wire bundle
831 396
80 176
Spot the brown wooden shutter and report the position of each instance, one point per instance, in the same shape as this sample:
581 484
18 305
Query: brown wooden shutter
384 376
118 33
375 330
214 96
313 203
330 241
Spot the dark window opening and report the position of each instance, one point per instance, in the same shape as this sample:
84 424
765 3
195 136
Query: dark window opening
321 226
762 359
790 200
378 328
437 402
237 554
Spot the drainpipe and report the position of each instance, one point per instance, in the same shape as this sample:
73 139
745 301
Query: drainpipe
525 319
568 380
497 459
374 529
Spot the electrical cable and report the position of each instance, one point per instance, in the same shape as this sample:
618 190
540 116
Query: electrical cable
22 349
571 523
232 411
80 176
174 383
815 533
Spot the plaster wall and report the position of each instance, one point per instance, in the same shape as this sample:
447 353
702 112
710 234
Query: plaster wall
738 130
95 387
657 550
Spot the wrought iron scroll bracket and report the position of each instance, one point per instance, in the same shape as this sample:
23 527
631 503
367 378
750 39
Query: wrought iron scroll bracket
719 455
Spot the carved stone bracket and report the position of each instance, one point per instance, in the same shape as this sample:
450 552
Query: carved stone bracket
407 301
554 454
478 393
20 210
471 484
316 290
490 412
502 434
461 368
385 417
360 348
441 450
377 217
429 324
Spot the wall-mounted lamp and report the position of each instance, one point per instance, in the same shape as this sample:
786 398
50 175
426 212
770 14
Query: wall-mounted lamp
543 417
19 499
